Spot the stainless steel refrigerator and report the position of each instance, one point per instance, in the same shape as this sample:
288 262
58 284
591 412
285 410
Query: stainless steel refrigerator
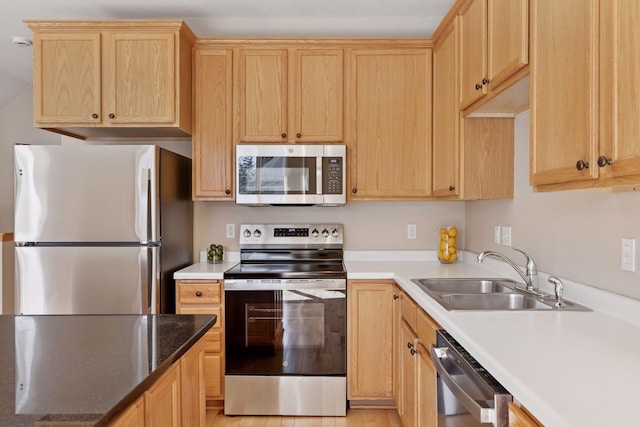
100 229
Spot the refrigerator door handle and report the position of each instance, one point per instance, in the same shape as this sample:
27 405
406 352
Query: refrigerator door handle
145 205
147 282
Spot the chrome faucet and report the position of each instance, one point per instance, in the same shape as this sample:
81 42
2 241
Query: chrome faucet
530 277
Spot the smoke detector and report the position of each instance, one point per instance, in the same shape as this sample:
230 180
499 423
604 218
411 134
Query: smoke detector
22 41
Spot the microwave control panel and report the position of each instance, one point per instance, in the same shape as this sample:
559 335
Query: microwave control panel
332 173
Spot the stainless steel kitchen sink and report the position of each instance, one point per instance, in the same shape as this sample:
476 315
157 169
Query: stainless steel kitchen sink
491 302
467 286
481 294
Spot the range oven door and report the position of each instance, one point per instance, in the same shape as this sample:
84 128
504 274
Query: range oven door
285 332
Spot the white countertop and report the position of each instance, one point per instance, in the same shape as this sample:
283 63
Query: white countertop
567 368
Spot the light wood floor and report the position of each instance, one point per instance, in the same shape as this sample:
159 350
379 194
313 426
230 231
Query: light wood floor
354 418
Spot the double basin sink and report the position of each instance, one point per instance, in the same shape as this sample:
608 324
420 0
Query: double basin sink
488 295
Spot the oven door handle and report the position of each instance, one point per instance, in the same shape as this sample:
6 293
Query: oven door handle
483 415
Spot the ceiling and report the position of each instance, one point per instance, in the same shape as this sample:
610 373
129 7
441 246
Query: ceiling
220 18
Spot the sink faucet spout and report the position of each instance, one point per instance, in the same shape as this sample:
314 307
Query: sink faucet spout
530 277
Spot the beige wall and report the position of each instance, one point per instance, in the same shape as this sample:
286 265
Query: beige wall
16 126
572 234
368 225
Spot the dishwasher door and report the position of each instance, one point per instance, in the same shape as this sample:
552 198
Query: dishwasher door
467 394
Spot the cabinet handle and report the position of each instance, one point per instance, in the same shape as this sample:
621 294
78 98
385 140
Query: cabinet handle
284 135
451 188
112 116
478 86
486 81
604 161
198 293
227 191
581 164
395 296
298 135
354 190
94 115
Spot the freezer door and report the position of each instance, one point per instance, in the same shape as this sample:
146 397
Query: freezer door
85 280
84 193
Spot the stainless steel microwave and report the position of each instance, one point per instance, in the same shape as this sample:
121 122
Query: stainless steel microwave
291 175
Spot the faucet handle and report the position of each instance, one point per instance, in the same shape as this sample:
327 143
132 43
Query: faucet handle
531 265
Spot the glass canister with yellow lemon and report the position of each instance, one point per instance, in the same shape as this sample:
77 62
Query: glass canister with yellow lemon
448 245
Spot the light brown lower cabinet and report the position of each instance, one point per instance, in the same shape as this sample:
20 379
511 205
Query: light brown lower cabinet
176 399
417 403
520 417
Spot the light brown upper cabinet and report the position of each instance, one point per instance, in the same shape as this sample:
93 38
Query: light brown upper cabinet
389 110
472 157
113 78
291 95
584 97
212 130
494 44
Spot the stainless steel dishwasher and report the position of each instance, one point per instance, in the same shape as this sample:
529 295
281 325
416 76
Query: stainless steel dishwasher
467 394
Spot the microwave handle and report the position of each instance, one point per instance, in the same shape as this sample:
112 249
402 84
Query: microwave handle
483 415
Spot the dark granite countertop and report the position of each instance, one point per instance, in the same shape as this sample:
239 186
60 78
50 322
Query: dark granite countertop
84 370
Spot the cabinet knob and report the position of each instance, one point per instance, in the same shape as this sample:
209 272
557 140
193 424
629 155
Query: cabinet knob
227 191
395 296
112 116
409 345
198 293
298 135
486 81
354 190
284 135
451 188
581 164
604 161
478 86
413 352
94 115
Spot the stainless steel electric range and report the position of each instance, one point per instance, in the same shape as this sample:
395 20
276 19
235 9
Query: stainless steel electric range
286 321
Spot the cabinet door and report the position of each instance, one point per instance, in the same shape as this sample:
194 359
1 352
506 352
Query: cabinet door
192 388
390 111
370 308
163 400
397 348
212 135
409 372
66 86
507 39
263 95
319 97
427 398
564 86
133 416
140 82
446 138
473 51
619 88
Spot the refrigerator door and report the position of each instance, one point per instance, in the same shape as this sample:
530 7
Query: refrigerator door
85 280
85 193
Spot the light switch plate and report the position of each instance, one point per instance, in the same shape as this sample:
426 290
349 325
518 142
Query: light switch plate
412 231
231 231
506 236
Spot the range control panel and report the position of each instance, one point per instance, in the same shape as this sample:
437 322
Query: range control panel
291 234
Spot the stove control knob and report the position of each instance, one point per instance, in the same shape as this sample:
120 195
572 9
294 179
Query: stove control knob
315 232
325 233
257 233
246 233
335 233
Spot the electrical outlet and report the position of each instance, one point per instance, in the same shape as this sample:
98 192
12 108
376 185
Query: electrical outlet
412 231
496 234
628 255
231 231
506 236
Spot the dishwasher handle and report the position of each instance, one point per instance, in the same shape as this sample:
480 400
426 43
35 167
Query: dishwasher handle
483 415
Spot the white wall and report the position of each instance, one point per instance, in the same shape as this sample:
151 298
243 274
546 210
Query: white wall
571 234
368 225
16 126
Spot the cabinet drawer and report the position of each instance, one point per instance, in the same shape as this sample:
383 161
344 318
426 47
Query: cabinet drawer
203 310
201 293
408 308
213 341
426 328
213 376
